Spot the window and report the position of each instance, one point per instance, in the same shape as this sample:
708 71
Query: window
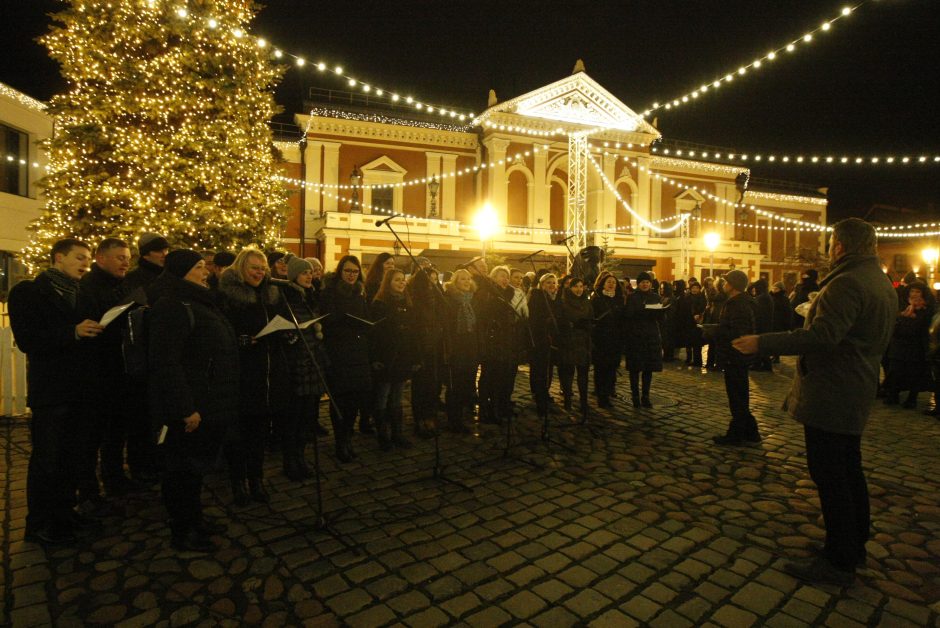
383 199
14 161
900 263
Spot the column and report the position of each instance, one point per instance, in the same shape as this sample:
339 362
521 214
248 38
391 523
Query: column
541 191
608 214
331 176
497 186
312 193
644 199
447 196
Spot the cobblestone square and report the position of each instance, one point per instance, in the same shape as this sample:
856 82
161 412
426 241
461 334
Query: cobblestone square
633 519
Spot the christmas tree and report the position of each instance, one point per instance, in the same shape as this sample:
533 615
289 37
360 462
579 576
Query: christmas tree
164 126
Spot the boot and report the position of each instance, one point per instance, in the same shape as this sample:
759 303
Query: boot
366 425
911 401
339 441
239 493
396 419
382 431
257 491
319 429
302 468
290 466
567 396
585 412
645 399
455 421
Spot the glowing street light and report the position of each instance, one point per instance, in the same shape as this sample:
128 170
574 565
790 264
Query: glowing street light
486 223
930 256
712 240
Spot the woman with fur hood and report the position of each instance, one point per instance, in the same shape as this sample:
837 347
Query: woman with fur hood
346 334
249 301
306 377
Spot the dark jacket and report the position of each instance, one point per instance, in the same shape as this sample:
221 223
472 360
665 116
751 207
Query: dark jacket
394 340
576 316
801 295
543 318
44 329
644 346
497 321
463 345
101 291
911 337
307 378
608 327
142 276
193 368
764 304
430 312
847 330
738 318
264 375
783 311
688 307
346 338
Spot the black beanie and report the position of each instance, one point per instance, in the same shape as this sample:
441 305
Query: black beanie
643 276
181 261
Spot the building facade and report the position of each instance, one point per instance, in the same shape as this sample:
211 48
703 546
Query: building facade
358 164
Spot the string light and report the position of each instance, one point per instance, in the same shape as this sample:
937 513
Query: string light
799 159
21 98
754 65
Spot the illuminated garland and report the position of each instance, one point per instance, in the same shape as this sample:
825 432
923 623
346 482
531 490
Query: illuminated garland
802 159
756 64
21 98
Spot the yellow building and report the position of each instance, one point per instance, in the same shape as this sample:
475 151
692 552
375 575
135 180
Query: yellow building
359 162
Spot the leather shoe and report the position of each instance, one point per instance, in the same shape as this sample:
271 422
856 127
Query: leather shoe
727 440
50 535
820 571
193 541
258 494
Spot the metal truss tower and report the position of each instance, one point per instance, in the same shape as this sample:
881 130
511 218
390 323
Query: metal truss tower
577 190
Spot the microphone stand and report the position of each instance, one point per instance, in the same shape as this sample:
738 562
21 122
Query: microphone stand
321 523
437 472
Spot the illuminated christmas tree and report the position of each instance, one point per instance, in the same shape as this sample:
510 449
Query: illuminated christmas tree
164 126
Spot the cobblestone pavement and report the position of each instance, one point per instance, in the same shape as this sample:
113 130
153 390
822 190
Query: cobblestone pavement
642 522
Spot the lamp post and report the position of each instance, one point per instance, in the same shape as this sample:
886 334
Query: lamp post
930 256
712 239
355 179
486 222
433 186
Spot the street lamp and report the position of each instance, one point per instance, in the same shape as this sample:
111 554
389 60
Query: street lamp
433 186
486 223
930 256
712 239
355 179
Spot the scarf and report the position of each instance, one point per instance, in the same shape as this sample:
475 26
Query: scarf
466 318
610 293
64 285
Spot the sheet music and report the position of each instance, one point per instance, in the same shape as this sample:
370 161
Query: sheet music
113 313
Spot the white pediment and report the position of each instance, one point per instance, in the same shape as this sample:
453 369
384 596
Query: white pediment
577 99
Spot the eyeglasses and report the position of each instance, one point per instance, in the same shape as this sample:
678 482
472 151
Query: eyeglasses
351 271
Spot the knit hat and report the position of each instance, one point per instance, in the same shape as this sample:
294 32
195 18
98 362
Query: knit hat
181 261
644 276
295 266
274 256
811 273
223 259
150 242
779 286
737 279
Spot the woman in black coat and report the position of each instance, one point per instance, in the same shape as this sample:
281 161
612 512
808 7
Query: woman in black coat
194 389
691 314
251 301
498 344
574 343
394 357
430 314
607 303
463 349
909 369
346 334
543 322
307 377
644 347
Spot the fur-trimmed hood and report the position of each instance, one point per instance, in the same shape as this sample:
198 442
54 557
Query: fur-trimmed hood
240 294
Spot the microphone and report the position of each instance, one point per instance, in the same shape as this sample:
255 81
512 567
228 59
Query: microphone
563 240
379 223
528 257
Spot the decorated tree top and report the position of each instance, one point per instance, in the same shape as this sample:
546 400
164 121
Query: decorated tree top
164 126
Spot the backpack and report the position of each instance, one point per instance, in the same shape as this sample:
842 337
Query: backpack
135 341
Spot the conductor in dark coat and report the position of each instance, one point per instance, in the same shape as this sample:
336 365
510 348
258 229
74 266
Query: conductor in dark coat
194 388
642 314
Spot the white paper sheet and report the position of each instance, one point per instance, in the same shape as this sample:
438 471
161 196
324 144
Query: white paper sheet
113 313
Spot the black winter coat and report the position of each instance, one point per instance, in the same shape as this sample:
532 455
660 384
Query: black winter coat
608 330
644 346
576 317
142 276
911 337
801 295
430 312
764 308
44 329
394 341
543 318
346 338
737 319
687 308
463 348
101 291
305 376
497 321
783 311
264 376
193 367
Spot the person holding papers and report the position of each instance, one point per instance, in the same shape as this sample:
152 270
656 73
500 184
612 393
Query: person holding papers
306 376
644 346
250 301
194 386
346 334
607 302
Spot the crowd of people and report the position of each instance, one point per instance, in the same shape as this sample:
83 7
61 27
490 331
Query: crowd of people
166 387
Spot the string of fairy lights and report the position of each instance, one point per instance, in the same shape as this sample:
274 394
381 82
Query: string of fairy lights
782 158
775 53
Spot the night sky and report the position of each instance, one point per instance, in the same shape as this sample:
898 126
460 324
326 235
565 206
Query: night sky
869 86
